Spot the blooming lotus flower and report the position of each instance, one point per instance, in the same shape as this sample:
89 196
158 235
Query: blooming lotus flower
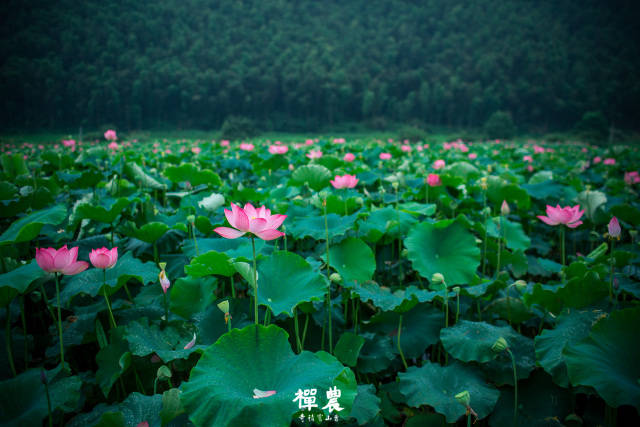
434 180
110 135
614 228
246 146
569 216
278 149
339 141
103 257
609 161
314 154
224 143
196 150
385 156
406 148
259 222
473 156
345 181
349 157
62 260
631 177
69 142
113 145
597 160
527 159
438 164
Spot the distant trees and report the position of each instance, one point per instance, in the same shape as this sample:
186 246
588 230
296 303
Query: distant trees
193 63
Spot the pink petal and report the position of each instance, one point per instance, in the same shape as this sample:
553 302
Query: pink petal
259 394
547 220
63 258
275 221
262 212
269 234
257 224
190 343
228 233
250 211
44 259
75 268
574 224
240 219
114 255
100 260
73 252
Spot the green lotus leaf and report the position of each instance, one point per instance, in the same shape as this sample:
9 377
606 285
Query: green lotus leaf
500 369
400 300
443 247
415 209
471 341
627 213
234 248
91 281
221 386
189 172
314 226
546 190
385 221
13 165
376 353
191 295
109 360
17 281
463 170
348 348
136 174
353 259
436 386
607 359
512 232
167 342
135 409
210 263
285 280
28 227
151 231
107 213
366 405
500 190
316 176
24 401
571 327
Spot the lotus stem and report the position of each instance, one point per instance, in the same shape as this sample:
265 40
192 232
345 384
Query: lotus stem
112 234
46 390
155 253
404 362
106 298
24 332
8 340
515 385
166 308
326 230
457 305
612 263
255 280
284 230
195 241
233 288
304 331
295 323
562 245
46 302
60 321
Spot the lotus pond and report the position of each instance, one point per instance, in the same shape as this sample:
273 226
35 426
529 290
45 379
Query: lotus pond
319 282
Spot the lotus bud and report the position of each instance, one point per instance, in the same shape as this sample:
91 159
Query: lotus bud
163 373
520 285
614 228
191 219
404 253
224 306
162 265
335 277
437 278
463 398
164 281
456 289
500 345
504 209
395 185
360 201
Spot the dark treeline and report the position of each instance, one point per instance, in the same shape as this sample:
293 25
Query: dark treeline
297 63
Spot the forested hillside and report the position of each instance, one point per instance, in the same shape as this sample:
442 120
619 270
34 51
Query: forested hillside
308 63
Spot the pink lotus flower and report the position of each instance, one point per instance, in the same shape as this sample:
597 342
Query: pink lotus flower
349 157
406 148
438 164
103 257
631 177
164 281
569 216
434 180
597 160
113 145
614 228
143 424
472 156
314 154
278 149
527 158
69 142
463 148
60 261
110 135
345 181
247 146
259 222
196 150
385 156
339 141
504 208
609 161
537 149
224 143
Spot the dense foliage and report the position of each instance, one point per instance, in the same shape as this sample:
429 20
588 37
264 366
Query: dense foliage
431 283
302 64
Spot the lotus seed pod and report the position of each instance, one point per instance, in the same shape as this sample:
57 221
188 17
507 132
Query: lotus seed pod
437 278
163 372
464 398
456 289
360 201
224 306
335 277
500 345
191 219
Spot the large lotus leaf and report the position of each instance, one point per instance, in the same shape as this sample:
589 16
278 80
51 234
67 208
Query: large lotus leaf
136 174
210 263
348 348
627 213
545 190
113 360
607 359
571 327
191 295
471 341
590 201
416 209
512 232
91 281
500 369
24 401
28 227
221 386
354 260
385 221
285 280
463 170
14 165
436 386
314 226
399 300
316 176
106 214
443 247
17 281
76 328
234 248
540 404
366 405
151 231
376 353
167 342
189 172
500 190
135 409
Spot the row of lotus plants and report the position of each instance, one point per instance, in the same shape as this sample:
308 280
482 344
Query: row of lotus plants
327 281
